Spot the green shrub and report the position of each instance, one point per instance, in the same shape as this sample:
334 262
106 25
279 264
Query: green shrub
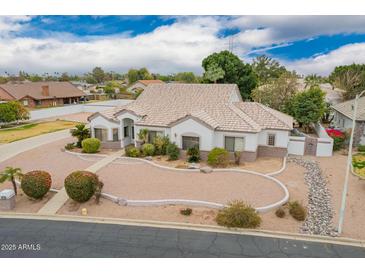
297 211
238 214
338 143
81 185
36 184
69 146
161 143
186 211
237 157
173 151
90 145
361 148
280 212
148 149
132 152
218 157
193 154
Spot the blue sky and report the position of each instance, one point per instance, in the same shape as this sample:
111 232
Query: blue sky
169 44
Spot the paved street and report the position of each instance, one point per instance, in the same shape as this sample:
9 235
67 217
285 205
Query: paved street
34 238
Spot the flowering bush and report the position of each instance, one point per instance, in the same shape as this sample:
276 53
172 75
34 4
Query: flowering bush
36 183
338 138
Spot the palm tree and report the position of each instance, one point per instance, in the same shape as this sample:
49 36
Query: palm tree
81 132
9 174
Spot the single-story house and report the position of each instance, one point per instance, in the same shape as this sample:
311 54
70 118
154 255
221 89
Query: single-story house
141 85
41 93
343 114
203 115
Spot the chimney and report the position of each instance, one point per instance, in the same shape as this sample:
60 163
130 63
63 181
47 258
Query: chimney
45 90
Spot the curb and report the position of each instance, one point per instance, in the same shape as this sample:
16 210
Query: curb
184 226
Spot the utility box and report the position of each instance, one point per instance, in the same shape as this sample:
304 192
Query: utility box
7 199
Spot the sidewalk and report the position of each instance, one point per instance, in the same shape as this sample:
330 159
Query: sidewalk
12 149
61 197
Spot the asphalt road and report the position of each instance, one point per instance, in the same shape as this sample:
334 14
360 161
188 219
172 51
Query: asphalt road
35 238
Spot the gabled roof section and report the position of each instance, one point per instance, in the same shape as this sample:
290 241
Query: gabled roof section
199 116
34 90
266 117
346 108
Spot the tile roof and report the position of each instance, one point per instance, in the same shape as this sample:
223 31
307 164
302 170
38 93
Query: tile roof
147 82
346 108
218 105
34 90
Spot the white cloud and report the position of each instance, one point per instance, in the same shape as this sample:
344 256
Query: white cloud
180 46
323 64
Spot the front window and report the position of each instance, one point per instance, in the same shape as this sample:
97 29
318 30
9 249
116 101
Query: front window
271 140
189 142
101 134
115 134
152 135
233 144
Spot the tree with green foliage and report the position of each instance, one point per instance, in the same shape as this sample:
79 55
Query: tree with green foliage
64 77
98 74
10 174
13 111
109 90
186 77
214 73
138 74
350 78
267 68
314 80
235 71
307 107
81 132
277 92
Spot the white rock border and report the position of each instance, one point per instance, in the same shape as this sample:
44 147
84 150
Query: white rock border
127 202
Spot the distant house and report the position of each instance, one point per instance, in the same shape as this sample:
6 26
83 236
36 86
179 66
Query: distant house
142 84
203 115
41 93
333 95
343 114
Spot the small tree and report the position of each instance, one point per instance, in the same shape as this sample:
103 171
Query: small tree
10 174
308 107
214 73
143 135
81 132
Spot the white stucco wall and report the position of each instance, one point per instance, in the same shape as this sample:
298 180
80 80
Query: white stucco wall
281 139
191 127
296 145
324 147
101 122
251 139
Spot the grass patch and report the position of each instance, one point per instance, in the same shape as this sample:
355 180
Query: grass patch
31 130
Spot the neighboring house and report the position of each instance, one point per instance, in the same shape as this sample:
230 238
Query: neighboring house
204 115
343 114
333 95
41 93
142 84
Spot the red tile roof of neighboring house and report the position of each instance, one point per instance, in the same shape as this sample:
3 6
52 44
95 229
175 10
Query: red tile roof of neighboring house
36 90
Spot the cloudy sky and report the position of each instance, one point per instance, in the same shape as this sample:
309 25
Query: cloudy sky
76 44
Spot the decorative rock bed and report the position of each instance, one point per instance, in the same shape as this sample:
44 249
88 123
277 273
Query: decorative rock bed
320 212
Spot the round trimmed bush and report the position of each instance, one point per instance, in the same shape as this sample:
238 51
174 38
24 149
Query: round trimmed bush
132 152
173 151
238 214
280 212
148 150
90 145
218 157
297 211
81 185
36 183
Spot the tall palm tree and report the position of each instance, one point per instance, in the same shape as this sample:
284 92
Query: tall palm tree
81 132
9 174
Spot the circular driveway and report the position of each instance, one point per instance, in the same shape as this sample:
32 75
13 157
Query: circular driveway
136 180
